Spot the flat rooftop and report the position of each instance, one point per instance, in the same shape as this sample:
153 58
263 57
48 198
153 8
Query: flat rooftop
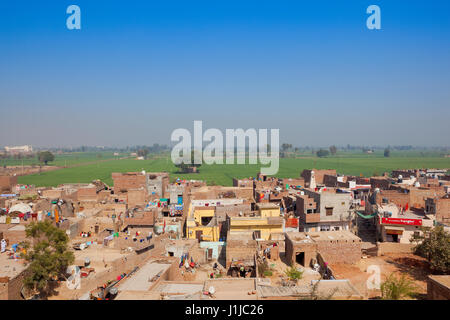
10 267
141 280
309 237
267 206
325 288
232 289
240 235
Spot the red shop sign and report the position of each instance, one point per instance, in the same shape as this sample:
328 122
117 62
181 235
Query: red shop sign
408 222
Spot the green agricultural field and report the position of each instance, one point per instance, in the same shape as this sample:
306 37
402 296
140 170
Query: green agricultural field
353 164
65 159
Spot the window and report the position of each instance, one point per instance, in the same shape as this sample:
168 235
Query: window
329 211
257 234
206 220
325 228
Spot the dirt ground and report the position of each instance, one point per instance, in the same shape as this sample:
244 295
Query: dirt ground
403 263
278 268
26 170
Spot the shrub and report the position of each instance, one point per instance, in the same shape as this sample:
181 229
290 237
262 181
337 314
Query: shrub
293 274
397 288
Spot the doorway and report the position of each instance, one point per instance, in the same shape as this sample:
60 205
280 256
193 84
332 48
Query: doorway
209 254
300 258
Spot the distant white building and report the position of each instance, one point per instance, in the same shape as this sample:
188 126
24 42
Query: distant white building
19 149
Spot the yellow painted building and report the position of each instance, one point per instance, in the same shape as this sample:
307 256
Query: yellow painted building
268 210
263 227
197 224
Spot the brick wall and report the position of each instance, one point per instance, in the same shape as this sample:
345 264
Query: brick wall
340 251
87 194
240 249
418 196
318 174
125 181
437 289
136 197
394 196
393 247
14 236
292 249
10 287
7 183
443 210
53 194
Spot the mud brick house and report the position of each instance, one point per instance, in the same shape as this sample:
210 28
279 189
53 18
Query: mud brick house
154 183
12 274
334 247
129 180
241 248
382 183
319 174
324 211
414 197
243 183
293 182
405 173
136 197
439 207
7 183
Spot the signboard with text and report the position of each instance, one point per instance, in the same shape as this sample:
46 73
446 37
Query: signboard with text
403 221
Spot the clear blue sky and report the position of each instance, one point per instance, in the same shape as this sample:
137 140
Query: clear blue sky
139 69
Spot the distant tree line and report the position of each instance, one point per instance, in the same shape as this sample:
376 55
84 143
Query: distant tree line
155 148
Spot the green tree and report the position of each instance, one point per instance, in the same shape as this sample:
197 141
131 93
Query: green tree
45 157
286 146
49 256
397 288
434 245
142 153
333 150
322 153
183 166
